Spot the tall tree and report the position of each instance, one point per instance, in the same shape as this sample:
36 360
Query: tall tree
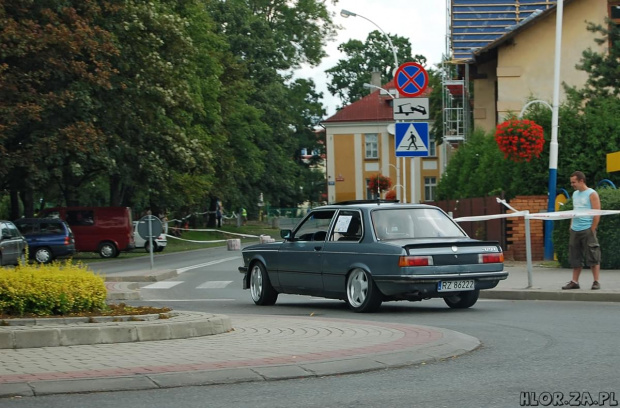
55 57
361 59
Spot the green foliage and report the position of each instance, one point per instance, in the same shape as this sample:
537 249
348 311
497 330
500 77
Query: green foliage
361 59
608 233
52 289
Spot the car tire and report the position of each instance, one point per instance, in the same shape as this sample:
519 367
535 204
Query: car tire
263 294
43 255
147 246
160 248
462 300
107 250
363 296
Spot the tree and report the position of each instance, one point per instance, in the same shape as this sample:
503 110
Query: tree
361 59
55 58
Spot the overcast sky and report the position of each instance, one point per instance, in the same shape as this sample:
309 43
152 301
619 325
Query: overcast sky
422 21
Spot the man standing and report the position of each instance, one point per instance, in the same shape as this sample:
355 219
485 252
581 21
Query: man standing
583 242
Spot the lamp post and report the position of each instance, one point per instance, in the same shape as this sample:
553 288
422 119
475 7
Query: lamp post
346 14
553 146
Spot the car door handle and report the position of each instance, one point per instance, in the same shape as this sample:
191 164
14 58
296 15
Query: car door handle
318 248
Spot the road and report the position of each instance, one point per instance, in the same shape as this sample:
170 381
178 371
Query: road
528 346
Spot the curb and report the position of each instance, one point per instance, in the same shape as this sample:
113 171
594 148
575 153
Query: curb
539 294
30 333
391 354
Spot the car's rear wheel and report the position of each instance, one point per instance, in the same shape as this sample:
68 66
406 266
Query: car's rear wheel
263 293
160 248
462 300
43 255
362 294
108 250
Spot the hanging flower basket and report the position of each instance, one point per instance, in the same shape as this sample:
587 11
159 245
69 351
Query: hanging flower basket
520 140
379 182
390 195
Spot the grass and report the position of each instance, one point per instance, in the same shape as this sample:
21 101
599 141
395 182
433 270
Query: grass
183 244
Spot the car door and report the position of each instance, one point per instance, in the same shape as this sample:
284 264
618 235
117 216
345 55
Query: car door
343 249
300 256
7 245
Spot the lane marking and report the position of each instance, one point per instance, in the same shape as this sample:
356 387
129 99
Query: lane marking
162 285
214 285
188 268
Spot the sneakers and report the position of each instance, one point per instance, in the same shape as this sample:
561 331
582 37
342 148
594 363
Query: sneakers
571 285
596 285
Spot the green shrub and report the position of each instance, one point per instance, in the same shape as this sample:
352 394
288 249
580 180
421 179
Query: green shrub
608 233
59 288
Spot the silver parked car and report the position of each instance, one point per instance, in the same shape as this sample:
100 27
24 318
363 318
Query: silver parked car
369 252
12 244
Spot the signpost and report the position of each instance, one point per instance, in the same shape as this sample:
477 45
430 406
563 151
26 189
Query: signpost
411 109
149 228
411 79
411 139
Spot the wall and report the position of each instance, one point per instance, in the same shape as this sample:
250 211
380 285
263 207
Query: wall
515 229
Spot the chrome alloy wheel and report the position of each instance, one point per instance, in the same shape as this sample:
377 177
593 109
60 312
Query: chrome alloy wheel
357 288
256 283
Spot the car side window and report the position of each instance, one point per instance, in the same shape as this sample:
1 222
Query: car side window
348 227
50 227
13 232
26 227
80 217
314 228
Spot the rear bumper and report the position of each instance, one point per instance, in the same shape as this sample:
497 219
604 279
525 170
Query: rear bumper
416 287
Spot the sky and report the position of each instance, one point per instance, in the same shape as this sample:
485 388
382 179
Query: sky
422 21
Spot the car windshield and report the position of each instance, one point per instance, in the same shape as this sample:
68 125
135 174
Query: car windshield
413 223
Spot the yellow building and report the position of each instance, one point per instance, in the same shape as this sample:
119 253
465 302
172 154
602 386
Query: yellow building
519 65
360 144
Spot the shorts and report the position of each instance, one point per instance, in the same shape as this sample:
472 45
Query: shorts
583 244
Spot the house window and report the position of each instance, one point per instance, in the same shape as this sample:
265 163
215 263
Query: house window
614 11
372 146
432 150
430 185
370 194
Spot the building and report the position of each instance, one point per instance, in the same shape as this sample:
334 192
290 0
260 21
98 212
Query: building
360 143
512 64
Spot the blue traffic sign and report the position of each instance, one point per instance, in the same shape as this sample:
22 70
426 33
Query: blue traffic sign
411 79
411 139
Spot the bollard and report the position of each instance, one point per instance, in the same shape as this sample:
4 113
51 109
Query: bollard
233 244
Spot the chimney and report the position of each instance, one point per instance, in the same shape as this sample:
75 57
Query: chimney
375 78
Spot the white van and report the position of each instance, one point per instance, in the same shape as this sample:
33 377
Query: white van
160 241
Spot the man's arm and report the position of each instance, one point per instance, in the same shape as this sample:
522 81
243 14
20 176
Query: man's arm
595 201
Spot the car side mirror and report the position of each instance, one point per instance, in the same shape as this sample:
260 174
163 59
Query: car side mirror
286 233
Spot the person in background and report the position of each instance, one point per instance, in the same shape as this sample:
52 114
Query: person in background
218 213
583 242
244 215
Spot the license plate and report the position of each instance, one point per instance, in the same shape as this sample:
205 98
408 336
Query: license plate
456 286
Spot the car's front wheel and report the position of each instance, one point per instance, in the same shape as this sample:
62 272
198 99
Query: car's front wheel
43 255
462 300
147 246
108 250
263 293
362 293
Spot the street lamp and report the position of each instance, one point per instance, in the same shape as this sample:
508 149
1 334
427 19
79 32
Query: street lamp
346 14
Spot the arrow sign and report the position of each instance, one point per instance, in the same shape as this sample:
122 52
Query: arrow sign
411 139
411 108
411 79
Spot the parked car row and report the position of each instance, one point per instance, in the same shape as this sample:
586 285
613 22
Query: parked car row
63 231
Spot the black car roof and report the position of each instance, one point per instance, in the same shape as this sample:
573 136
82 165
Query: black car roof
38 220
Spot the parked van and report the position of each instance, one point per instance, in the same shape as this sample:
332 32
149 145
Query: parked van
105 230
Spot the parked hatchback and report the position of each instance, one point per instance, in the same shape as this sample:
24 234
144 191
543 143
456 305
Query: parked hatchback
12 244
48 238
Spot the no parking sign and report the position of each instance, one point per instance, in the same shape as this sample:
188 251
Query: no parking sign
411 79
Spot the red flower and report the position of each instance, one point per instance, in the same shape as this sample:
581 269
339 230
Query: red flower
382 182
520 140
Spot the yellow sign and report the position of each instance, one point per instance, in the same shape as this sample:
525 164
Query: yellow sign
613 162
560 200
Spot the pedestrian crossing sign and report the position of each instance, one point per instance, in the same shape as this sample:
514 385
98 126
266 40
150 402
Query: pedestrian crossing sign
411 139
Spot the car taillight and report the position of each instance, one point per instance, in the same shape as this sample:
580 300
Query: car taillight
491 258
405 261
67 241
